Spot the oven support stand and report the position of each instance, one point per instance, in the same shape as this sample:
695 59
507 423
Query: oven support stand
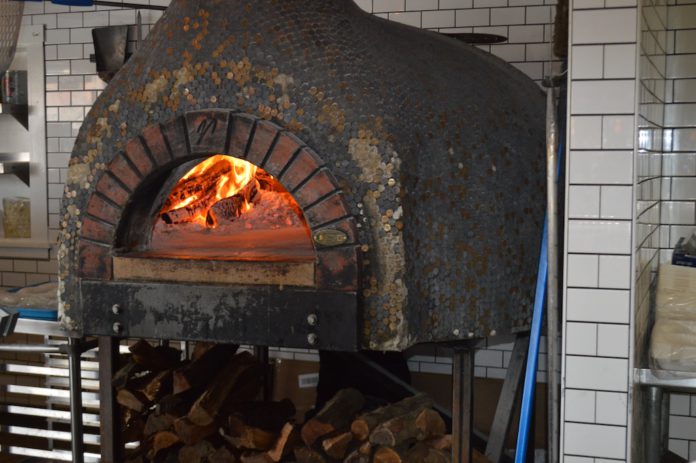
462 402
108 411
508 401
261 353
74 371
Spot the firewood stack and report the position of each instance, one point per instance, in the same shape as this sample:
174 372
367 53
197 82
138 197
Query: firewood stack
204 410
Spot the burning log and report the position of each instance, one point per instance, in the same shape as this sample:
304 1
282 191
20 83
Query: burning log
335 416
228 209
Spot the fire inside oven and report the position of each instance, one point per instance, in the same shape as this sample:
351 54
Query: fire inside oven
228 207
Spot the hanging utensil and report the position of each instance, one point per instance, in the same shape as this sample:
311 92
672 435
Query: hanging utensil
10 21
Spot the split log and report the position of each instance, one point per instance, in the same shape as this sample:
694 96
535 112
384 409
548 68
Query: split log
421 453
356 457
200 348
190 433
163 440
289 436
366 423
430 424
157 422
198 453
133 400
387 455
222 455
254 457
249 437
197 372
241 377
157 387
334 417
270 416
155 358
133 426
441 443
336 447
419 424
124 375
177 404
307 455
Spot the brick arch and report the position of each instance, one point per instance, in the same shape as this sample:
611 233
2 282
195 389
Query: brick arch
198 134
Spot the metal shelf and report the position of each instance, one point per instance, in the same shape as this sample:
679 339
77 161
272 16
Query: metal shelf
15 164
19 112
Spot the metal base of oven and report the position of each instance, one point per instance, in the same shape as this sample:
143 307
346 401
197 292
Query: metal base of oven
256 315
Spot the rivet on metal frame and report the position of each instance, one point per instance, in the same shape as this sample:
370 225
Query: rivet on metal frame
116 309
312 339
117 327
329 237
312 319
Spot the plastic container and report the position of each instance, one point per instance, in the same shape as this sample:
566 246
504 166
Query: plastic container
16 220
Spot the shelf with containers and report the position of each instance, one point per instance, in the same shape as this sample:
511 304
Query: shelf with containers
23 165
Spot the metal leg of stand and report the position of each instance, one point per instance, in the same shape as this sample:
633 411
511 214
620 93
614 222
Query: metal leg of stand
508 400
656 428
261 353
76 430
462 403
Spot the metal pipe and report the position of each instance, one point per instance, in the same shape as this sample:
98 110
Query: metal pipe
462 403
130 5
553 395
76 429
32 348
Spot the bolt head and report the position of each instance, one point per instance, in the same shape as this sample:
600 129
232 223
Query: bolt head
117 327
116 309
456 332
312 319
312 339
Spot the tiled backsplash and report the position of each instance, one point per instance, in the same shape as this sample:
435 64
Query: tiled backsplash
600 186
678 194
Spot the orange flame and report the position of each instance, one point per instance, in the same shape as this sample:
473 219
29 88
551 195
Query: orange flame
217 178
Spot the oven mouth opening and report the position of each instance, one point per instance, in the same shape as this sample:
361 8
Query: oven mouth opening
227 208
223 220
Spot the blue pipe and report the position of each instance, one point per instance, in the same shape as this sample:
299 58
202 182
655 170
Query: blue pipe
535 334
533 353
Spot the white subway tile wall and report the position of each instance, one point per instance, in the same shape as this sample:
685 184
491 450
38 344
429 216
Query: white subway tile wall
678 175
597 357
